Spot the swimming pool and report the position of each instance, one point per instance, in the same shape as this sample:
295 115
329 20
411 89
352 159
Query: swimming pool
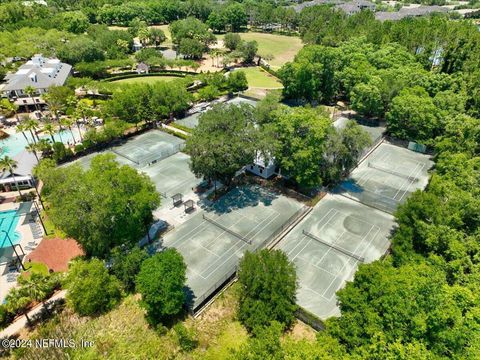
8 223
16 143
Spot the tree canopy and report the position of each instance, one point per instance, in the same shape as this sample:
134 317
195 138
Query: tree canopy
102 207
268 286
161 283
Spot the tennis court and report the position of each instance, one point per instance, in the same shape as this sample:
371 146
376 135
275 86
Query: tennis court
214 240
387 177
149 147
172 175
329 244
191 121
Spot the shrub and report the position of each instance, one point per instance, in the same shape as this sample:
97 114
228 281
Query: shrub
91 290
186 338
126 265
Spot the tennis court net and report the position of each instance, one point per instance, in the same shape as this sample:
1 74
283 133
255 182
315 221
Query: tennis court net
389 171
333 246
125 156
243 238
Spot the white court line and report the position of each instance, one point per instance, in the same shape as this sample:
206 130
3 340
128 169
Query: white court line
243 245
408 187
223 231
303 286
408 182
368 174
218 256
314 265
323 217
355 264
304 236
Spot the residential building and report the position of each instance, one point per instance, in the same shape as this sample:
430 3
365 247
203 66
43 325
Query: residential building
40 73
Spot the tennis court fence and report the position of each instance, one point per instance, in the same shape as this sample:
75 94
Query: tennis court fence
150 157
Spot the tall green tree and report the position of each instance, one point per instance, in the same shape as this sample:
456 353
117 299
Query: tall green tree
91 290
301 134
223 142
268 286
103 207
161 283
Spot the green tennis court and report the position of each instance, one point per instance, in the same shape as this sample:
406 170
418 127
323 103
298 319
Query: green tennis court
329 244
387 177
214 240
172 175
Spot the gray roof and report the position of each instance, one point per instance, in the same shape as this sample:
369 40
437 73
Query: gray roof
300 7
409 12
25 163
349 8
39 72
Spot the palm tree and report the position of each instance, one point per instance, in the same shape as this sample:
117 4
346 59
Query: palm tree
32 126
22 128
32 148
9 107
50 130
16 300
8 164
30 91
68 123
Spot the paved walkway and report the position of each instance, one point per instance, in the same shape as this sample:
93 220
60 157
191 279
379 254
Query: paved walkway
21 322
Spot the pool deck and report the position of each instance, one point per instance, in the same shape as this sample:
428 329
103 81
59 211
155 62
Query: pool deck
29 231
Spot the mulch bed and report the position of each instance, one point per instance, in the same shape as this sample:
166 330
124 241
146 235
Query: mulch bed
56 253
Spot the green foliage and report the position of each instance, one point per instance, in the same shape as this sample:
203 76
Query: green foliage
267 290
105 206
223 142
74 21
413 116
265 345
367 99
161 282
91 290
231 41
191 48
312 76
191 28
126 264
187 339
237 81
81 49
145 102
302 135
208 93
248 49
61 152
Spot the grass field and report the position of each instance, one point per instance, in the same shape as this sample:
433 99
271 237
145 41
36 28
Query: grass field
146 79
259 78
283 48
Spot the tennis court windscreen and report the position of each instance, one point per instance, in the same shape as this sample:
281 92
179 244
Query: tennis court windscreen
125 156
243 238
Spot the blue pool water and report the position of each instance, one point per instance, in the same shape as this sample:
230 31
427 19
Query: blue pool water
16 143
8 223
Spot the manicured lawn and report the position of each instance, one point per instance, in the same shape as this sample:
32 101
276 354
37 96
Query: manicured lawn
259 78
146 79
36 267
283 48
